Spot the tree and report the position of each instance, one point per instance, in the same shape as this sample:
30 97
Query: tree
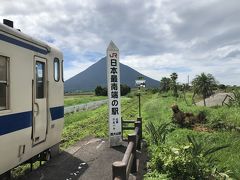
102 91
204 85
174 77
222 87
99 91
125 89
165 84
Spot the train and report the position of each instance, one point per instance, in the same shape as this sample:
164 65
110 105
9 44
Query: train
31 98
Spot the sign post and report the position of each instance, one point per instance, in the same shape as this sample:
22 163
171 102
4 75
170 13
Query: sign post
114 104
140 82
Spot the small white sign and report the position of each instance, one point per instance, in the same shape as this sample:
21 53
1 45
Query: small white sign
140 83
114 105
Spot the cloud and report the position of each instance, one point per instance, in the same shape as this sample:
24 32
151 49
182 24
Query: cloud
233 54
154 37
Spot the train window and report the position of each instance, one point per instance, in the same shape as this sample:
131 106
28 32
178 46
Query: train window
56 66
40 76
62 71
4 83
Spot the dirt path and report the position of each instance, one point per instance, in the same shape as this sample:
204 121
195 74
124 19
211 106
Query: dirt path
89 159
215 100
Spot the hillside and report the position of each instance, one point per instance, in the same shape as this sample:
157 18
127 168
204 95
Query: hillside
97 75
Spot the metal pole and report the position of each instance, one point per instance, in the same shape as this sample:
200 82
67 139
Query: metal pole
139 103
122 127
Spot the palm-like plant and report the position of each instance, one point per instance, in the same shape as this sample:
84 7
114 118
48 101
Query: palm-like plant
165 84
204 84
174 77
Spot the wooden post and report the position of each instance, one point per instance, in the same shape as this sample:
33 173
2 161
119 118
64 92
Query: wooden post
119 170
122 127
139 125
132 137
140 132
139 119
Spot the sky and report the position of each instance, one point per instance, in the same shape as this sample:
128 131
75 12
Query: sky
155 37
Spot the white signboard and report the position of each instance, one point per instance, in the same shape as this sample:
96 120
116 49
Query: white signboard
140 83
114 105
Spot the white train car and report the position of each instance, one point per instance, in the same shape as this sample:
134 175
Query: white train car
31 98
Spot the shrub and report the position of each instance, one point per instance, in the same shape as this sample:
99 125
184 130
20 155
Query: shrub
99 91
102 91
235 101
125 89
186 161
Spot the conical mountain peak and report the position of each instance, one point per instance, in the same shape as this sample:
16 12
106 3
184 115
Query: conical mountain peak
96 75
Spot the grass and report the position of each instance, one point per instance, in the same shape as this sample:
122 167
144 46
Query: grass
158 110
94 122
81 99
83 124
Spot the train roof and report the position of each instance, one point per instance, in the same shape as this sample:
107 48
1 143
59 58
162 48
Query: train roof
18 34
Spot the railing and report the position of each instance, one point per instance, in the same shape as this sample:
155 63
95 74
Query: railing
122 169
230 98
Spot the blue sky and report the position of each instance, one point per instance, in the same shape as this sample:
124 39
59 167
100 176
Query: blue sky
155 37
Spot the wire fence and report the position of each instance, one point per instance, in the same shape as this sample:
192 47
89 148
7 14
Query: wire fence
84 107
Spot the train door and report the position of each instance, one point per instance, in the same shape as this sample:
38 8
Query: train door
39 100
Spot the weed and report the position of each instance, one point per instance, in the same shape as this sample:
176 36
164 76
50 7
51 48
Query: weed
158 132
189 160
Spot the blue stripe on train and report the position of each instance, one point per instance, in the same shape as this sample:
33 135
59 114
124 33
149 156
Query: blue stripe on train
57 112
15 122
22 44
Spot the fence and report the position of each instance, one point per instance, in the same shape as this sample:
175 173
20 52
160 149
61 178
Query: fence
122 169
82 107
228 99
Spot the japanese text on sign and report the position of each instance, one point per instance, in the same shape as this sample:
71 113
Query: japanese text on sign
113 69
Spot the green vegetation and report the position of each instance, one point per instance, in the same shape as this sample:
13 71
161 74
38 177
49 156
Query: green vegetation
94 122
81 99
204 85
102 91
165 84
168 141
174 77
83 124
176 151
235 100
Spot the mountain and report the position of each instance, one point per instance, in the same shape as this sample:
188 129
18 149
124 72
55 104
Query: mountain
97 75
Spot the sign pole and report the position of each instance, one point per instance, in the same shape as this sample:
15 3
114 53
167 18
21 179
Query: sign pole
114 104
140 82
139 102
